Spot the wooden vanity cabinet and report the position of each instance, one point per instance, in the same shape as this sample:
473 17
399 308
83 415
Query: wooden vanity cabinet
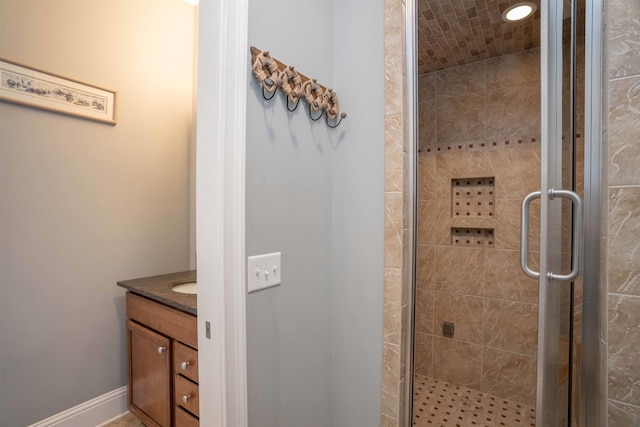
162 364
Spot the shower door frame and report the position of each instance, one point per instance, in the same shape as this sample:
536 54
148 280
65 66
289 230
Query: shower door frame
592 375
593 381
551 248
592 396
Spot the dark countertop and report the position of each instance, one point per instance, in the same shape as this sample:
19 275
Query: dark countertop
158 288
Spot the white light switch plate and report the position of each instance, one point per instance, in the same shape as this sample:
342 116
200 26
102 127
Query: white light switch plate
263 271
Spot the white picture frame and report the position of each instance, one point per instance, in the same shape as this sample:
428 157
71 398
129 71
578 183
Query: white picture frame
26 85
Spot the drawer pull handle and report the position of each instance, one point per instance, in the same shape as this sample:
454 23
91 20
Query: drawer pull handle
161 350
186 398
185 365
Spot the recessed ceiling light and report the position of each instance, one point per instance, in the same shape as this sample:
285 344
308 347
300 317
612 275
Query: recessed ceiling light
519 11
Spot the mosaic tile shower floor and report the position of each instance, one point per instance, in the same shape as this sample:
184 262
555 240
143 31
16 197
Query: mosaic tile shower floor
437 403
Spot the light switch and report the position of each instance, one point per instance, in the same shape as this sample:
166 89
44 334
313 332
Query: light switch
263 271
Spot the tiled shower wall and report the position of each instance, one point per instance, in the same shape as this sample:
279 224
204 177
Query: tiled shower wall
480 121
394 350
622 237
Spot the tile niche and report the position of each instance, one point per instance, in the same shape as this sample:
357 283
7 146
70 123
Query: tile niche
472 198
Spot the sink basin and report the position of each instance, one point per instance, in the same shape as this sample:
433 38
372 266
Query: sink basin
186 288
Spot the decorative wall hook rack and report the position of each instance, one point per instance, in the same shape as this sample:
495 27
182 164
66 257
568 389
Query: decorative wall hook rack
273 75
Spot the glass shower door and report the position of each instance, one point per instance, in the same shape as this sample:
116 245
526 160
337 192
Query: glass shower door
560 216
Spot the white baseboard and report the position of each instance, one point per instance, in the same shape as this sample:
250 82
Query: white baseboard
95 412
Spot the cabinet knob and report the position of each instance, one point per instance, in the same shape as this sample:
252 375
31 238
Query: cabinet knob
186 398
184 365
161 350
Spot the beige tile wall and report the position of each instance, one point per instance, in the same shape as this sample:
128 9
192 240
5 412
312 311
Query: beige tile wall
480 120
623 231
394 352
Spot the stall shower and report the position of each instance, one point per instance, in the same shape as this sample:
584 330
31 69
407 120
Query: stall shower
479 157
476 312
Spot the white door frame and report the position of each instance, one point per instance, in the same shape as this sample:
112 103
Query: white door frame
220 211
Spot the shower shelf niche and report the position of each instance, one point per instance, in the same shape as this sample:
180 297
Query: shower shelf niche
473 197
472 237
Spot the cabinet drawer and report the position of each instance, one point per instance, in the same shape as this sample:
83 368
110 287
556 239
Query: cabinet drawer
185 419
186 395
174 323
185 361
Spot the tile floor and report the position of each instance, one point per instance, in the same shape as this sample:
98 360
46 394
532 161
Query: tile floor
440 404
127 420
437 403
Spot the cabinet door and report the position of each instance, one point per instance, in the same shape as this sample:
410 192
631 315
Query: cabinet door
149 375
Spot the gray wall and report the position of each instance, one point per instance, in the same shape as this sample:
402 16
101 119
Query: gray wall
314 343
358 219
289 209
84 204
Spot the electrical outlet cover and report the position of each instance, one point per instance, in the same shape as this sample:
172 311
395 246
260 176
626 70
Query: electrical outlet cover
263 271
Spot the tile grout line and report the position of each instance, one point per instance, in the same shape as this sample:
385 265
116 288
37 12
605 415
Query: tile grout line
624 403
624 186
616 79
618 294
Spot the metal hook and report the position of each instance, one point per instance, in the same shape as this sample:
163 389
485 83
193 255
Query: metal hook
295 107
342 116
265 96
311 115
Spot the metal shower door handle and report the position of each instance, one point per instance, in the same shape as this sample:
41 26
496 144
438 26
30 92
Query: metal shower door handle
524 238
577 229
